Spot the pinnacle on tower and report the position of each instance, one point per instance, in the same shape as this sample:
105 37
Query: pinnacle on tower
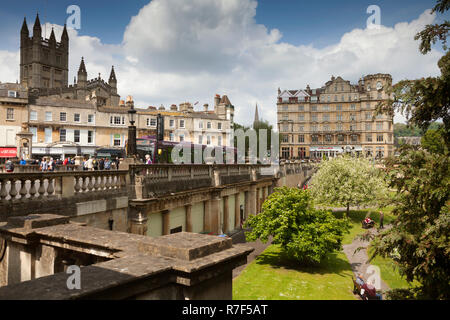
52 36
25 27
112 76
82 69
37 29
65 35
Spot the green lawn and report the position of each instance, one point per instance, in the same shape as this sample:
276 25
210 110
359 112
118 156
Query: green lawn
356 216
272 276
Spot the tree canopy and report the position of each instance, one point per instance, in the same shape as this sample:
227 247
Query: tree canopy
347 181
419 235
304 233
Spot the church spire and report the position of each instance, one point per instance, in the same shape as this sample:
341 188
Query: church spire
256 116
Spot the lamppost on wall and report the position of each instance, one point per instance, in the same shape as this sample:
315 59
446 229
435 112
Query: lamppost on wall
131 146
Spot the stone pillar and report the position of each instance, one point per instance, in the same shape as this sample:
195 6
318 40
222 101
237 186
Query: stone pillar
138 222
188 218
226 215
214 214
252 200
246 204
207 216
237 210
166 222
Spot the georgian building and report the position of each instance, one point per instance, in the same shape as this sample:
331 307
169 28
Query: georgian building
336 118
13 113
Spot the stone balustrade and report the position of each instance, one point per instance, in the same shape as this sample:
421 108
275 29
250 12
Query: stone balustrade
40 185
36 168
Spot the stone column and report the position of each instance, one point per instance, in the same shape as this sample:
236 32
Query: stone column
237 210
166 222
246 204
188 217
226 214
252 200
214 214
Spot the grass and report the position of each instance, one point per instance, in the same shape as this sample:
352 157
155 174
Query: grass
356 216
273 276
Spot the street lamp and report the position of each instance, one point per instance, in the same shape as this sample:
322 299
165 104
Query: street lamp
131 147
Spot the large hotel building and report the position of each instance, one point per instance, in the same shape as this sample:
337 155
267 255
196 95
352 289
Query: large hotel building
337 118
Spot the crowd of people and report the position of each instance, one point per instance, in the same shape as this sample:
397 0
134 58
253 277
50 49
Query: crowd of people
94 164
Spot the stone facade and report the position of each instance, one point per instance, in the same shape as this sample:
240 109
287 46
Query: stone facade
13 114
336 118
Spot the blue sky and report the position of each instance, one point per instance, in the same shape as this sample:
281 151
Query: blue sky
301 22
172 51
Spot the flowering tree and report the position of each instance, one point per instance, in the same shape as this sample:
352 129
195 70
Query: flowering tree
346 181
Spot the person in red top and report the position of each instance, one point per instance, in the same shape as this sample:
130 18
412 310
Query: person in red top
66 160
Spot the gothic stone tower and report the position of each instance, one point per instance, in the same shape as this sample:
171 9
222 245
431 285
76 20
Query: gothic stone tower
44 63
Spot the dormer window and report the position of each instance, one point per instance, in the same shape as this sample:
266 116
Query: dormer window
12 94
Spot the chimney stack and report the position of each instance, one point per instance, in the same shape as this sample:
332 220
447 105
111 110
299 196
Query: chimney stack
205 107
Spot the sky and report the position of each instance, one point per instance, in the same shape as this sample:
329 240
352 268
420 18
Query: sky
172 51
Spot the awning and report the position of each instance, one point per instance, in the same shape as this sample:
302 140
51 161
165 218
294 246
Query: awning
8 152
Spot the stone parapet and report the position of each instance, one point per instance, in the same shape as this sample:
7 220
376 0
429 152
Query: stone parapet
124 266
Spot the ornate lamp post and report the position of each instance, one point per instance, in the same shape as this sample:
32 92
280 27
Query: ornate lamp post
131 147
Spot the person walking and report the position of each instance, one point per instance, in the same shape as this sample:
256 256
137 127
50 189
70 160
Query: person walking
381 220
9 166
107 164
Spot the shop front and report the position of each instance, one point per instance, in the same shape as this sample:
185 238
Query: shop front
7 152
333 151
63 151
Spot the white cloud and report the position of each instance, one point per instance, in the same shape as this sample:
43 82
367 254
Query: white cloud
176 51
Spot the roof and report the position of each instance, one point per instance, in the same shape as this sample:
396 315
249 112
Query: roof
225 100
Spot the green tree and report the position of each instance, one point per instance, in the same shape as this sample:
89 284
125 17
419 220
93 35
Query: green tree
419 235
304 233
346 181
433 141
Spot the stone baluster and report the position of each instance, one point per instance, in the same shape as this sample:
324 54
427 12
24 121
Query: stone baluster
41 189
32 190
108 182
50 188
77 186
84 185
3 191
90 185
13 191
96 184
23 190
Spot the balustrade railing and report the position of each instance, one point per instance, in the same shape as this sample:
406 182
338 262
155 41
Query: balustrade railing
30 186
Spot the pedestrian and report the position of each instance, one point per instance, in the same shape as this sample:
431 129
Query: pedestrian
117 163
22 162
44 164
381 220
101 164
107 164
9 166
148 159
51 165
